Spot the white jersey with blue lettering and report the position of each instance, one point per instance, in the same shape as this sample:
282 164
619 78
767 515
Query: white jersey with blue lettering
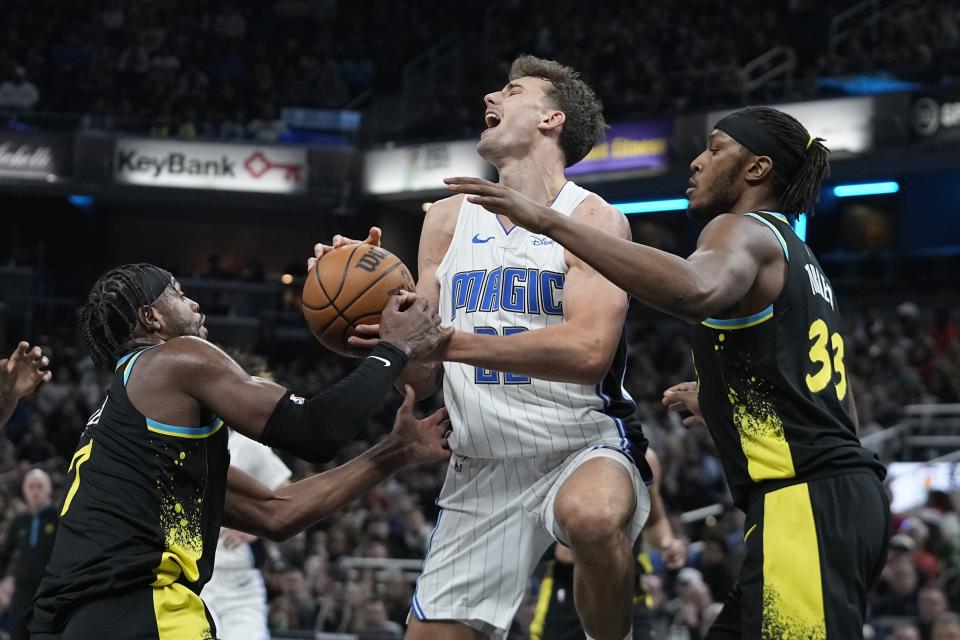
497 282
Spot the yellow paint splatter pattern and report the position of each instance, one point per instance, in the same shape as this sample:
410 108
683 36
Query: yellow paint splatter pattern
181 519
761 431
778 624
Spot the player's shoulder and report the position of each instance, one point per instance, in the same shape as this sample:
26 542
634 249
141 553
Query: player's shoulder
727 229
444 212
190 352
597 212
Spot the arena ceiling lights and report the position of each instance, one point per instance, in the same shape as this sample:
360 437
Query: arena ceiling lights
866 189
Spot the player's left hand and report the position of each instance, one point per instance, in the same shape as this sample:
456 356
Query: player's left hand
504 201
320 249
423 440
232 538
685 397
23 372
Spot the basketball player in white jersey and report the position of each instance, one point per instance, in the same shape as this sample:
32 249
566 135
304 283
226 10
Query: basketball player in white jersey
236 594
532 380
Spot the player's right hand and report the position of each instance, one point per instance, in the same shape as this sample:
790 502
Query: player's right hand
320 249
683 397
423 440
22 372
412 325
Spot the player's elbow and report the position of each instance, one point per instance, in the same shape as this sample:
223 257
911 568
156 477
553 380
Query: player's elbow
697 303
594 366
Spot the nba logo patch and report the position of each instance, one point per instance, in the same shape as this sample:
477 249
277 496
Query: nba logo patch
296 399
458 465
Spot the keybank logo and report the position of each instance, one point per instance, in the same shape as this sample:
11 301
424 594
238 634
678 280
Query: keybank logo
174 163
211 166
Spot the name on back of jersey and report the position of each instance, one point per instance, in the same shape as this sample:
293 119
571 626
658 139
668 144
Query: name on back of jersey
819 283
514 289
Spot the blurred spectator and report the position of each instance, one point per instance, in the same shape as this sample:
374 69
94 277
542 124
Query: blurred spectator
373 617
946 627
28 547
17 92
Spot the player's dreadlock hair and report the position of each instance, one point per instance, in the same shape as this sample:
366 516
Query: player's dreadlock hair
801 191
109 316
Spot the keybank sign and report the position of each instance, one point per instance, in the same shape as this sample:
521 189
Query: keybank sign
195 165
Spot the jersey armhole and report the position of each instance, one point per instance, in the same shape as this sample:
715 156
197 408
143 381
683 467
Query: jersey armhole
776 232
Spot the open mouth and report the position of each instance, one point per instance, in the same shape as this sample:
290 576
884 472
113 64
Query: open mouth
491 119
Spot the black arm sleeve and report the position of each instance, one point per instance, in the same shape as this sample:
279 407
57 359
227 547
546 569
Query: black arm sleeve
316 429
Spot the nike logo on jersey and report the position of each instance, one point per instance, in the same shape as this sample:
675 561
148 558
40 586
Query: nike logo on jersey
385 362
478 240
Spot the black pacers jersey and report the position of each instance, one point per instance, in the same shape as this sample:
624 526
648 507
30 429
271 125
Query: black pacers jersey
143 507
772 386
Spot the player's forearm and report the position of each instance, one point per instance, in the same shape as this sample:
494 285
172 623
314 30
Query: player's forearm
561 353
424 377
658 533
656 278
301 504
317 428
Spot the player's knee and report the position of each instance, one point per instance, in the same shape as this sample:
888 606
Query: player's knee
589 523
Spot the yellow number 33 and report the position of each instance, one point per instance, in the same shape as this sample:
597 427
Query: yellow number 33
819 354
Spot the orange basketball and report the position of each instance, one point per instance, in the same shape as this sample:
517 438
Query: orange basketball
350 286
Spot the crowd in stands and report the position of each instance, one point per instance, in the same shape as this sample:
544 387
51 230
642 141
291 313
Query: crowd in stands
225 70
895 357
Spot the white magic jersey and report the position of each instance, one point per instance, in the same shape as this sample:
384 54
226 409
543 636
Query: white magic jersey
499 283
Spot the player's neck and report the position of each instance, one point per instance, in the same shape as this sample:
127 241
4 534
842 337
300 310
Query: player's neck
535 178
751 201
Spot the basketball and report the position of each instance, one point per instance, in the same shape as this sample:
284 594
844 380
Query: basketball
350 286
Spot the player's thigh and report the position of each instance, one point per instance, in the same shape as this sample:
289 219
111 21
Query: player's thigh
441 630
599 493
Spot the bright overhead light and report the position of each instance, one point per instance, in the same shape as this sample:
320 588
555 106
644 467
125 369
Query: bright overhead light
653 206
866 189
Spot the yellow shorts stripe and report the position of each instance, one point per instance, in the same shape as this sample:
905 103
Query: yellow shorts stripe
792 587
543 605
180 614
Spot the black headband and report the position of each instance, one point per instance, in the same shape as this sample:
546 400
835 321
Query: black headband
740 126
153 282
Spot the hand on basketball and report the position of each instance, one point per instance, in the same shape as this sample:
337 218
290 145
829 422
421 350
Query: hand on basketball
504 201
411 324
683 397
423 440
320 249
22 372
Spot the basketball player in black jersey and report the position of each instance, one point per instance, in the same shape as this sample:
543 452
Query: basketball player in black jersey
773 388
150 486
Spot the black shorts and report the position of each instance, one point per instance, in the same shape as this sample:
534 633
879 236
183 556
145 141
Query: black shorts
173 612
814 550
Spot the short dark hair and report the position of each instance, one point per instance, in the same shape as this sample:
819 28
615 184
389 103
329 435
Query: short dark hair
584 125
801 191
110 313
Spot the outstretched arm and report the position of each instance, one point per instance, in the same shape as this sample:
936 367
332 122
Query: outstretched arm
252 507
20 374
718 274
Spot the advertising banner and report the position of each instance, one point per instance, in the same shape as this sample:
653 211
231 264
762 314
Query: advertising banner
34 156
198 165
936 117
628 145
421 167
